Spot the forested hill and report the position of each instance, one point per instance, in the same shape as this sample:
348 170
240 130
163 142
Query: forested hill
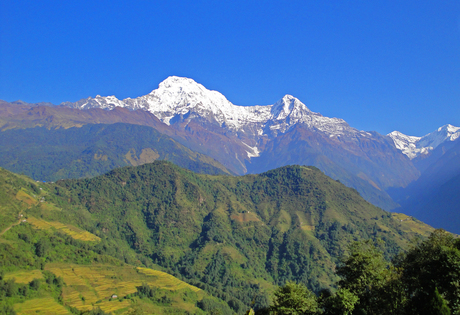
236 237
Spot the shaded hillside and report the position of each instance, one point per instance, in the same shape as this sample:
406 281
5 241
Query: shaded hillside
238 235
433 197
441 209
368 165
210 141
52 154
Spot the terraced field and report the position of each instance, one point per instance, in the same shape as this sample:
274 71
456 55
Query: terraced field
94 285
46 305
26 198
166 281
71 230
409 224
24 276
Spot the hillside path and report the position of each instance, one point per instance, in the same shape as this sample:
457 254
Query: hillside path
5 230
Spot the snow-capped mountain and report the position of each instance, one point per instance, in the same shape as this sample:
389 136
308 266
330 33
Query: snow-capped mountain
182 99
413 147
254 139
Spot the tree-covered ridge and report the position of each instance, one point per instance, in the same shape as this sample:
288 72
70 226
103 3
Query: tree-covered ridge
51 154
236 236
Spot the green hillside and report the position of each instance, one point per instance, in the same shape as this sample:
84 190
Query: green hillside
54 267
237 237
51 154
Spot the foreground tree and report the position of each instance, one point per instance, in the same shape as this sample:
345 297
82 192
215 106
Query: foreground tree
438 305
433 265
294 299
342 302
425 280
365 276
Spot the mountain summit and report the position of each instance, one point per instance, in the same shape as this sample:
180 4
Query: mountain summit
418 146
182 99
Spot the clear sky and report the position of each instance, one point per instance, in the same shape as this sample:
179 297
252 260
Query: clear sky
380 65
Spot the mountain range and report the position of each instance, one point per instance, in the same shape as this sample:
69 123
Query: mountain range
254 139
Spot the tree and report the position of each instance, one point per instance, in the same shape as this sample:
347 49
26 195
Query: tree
364 272
439 304
7 310
35 284
342 302
41 247
433 265
293 299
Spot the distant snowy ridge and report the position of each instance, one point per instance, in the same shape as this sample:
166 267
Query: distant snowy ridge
416 146
183 98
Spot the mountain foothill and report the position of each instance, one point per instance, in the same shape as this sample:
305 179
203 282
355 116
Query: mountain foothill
232 201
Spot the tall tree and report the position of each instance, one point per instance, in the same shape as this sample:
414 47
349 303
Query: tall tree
294 299
364 273
433 265
439 305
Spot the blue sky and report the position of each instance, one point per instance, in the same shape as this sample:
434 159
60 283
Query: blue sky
380 65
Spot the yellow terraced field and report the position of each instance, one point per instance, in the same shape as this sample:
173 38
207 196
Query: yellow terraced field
88 286
23 196
167 281
73 231
24 276
410 224
40 306
49 207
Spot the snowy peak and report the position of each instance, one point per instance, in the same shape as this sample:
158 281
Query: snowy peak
180 96
415 146
179 82
183 99
288 105
182 88
444 133
104 102
406 144
290 111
